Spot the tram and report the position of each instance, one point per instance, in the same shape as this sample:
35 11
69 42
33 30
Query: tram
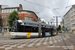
28 29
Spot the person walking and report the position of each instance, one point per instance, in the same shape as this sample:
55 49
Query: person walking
3 32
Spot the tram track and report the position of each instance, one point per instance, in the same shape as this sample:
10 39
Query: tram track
70 41
65 43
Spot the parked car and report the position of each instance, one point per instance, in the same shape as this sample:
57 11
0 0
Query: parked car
60 31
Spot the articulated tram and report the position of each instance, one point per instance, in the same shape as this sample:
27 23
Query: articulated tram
27 29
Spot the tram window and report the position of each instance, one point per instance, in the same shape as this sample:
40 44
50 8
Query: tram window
31 29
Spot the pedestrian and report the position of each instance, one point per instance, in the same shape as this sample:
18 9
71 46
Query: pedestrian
3 32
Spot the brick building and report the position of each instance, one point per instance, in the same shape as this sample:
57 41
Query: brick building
24 15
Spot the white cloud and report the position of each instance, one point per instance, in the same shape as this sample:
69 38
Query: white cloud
44 13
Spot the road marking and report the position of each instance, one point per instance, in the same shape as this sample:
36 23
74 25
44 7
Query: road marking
6 45
30 45
8 48
39 43
67 36
45 42
2 47
12 45
64 38
57 39
60 38
50 40
54 40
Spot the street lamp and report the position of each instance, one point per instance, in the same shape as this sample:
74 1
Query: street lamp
56 23
51 21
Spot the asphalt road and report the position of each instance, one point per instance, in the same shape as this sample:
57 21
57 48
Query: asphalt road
58 42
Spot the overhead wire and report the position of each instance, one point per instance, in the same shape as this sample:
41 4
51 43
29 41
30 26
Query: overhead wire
45 6
42 5
65 8
37 4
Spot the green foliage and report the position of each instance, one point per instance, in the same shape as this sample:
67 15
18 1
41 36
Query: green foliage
63 28
12 17
59 28
0 18
0 21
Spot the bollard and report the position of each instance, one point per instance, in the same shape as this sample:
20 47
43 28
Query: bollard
2 33
7 32
65 33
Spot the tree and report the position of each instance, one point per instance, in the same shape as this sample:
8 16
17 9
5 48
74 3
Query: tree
59 28
63 28
0 21
12 17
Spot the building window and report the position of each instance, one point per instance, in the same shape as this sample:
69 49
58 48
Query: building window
11 10
15 9
2 11
4 23
28 18
5 10
2 16
28 13
7 16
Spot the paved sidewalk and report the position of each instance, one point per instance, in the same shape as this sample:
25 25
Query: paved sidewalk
5 33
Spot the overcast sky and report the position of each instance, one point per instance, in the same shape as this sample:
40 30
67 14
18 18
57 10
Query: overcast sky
46 11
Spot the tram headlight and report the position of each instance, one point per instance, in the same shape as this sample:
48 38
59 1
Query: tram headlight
10 33
13 33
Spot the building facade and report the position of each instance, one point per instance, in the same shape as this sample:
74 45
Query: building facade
69 19
62 23
3 6
24 15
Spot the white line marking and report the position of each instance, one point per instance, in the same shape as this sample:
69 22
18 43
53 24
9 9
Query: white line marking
6 45
39 43
2 47
50 40
8 48
54 40
45 42
30 45
57 39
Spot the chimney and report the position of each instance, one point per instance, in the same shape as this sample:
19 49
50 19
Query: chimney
20 7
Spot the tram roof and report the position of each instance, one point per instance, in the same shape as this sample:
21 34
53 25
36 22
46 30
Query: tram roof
25 21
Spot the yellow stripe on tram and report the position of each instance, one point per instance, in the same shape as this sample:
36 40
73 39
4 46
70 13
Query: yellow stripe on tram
29 35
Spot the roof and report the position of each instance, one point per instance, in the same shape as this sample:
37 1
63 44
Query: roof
34 23
70 9
10 7
29 11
